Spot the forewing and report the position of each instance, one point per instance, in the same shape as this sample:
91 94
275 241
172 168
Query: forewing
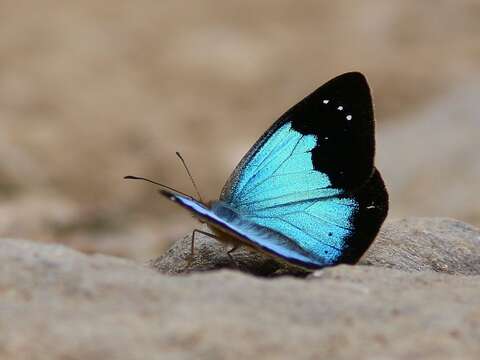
311 177
321 146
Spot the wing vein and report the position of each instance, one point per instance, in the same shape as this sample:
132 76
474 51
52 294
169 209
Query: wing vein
287 195
261 166
268 177
296 227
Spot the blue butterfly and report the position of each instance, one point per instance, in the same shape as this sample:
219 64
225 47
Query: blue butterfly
307 193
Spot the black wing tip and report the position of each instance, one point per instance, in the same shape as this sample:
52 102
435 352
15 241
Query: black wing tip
353 75
350 87
352 79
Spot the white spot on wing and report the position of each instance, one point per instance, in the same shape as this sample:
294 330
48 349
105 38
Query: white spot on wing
340 108
326 101
349 117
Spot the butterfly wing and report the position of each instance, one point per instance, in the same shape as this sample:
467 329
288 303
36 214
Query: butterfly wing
311 177
231 227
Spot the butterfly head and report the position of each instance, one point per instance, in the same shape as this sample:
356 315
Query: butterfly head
187 202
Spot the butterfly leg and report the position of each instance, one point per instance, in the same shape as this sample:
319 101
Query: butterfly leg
229 254
192 243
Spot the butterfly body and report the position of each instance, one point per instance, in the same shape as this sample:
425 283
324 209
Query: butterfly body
307 193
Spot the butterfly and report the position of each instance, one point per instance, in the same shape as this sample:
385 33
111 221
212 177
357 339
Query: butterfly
307 193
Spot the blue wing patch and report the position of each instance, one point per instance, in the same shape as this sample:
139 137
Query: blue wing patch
271 176
280 190
319 227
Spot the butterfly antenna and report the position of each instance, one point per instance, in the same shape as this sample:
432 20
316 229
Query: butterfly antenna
189 175
131 177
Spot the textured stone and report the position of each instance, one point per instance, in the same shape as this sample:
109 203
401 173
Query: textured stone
56 303
436 244
441 245
210 254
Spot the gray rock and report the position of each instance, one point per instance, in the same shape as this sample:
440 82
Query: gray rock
436 244
56 303
441 245
210 254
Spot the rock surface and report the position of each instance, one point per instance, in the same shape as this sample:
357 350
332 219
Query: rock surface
436 244
56 303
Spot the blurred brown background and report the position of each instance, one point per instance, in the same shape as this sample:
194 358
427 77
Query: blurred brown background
92 91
